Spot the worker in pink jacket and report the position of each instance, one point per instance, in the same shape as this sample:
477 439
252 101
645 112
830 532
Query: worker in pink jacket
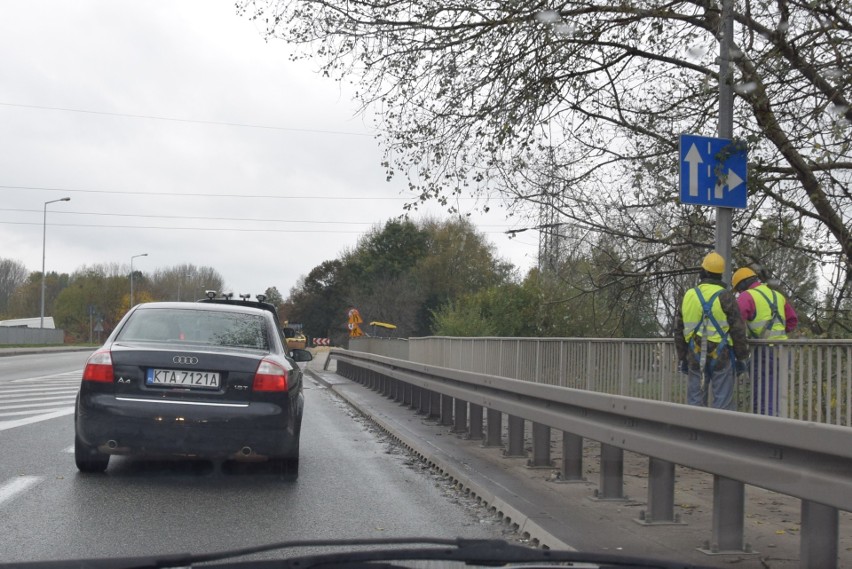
770 316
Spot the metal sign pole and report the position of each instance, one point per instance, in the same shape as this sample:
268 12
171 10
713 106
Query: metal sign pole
724 215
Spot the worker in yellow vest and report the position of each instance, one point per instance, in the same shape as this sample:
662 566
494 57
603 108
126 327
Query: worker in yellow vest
770 316
710 338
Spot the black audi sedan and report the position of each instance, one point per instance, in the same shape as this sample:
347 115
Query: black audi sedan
201 379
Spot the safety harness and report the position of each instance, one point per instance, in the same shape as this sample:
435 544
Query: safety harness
707 318
776 315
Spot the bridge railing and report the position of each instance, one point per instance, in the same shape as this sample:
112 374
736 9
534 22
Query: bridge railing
814 377
809 461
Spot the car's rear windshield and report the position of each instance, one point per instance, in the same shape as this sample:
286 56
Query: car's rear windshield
202 327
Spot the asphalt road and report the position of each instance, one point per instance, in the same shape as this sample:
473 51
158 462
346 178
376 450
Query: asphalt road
353 483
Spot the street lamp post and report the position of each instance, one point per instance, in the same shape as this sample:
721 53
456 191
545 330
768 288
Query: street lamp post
43 249
131 275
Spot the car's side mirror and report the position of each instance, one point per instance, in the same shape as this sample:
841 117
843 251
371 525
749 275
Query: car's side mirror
301 355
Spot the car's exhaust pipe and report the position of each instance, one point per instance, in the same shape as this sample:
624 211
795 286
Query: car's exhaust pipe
111 444
246 451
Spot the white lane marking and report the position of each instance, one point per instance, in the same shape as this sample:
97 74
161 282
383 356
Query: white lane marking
31 411
46 389
15 486
70 449
52 398
6 425
27 406
63 376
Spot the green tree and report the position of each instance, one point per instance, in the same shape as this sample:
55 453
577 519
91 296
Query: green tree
318 301
13 274
26 300
92 295
380 283
583 297
273 297
386 253
505 310
397 273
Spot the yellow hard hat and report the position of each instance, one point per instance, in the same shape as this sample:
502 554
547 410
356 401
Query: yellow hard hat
713 263
742 274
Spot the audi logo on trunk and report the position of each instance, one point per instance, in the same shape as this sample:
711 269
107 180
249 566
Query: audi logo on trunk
186 360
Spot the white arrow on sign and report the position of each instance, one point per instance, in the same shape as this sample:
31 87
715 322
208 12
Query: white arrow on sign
732 180
693 157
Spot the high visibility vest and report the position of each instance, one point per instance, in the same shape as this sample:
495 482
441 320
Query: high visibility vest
769 314
694 322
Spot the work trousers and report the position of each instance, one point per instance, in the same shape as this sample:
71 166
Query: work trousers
718 378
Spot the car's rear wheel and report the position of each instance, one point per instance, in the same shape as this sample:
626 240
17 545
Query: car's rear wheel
88 458
287 468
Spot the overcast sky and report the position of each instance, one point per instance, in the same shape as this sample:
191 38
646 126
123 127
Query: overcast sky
121 106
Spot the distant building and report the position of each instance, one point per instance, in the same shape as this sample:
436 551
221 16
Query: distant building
28 323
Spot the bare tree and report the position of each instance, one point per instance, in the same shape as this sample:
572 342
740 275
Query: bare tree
482 97
185 282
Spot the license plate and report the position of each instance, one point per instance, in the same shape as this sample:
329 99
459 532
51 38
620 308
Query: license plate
183 378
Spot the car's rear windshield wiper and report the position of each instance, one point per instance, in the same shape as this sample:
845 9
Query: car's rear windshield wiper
486 552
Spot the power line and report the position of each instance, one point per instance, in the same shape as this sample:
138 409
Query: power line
159 228
197 217
194 121
203 218
162 228
198 194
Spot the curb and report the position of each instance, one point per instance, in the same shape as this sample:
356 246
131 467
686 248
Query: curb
25 351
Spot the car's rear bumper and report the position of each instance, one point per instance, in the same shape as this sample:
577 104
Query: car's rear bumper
147 427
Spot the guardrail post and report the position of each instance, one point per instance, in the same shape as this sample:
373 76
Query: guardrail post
434 405
516 437
612 474
572 457
446 410
423 401
494 429
818 545
728 517
414 397
541 447
460 423
406 394
474 433
661 485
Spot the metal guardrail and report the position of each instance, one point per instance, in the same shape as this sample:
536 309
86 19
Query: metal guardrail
812 462
814 377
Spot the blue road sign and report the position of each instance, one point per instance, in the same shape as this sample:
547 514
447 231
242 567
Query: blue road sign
712 171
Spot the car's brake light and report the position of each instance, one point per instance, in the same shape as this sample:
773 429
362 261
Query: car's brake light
99 367
270 377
